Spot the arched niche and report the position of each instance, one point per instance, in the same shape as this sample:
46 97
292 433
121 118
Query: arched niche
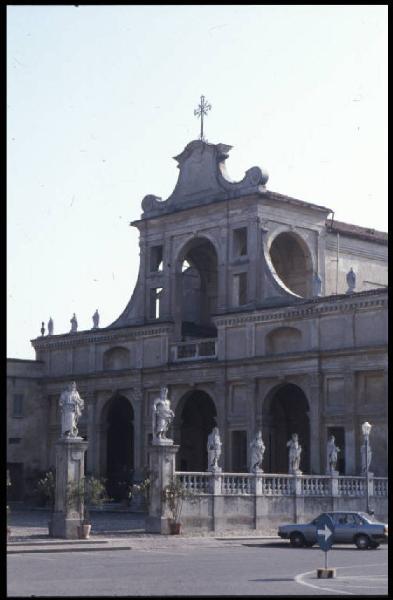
283 339
116 358
291 259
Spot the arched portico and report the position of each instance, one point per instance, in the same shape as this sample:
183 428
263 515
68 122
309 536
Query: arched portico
117 444
195 417
285 411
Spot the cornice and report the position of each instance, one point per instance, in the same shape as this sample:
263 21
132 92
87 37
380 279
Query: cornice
83 338
313 308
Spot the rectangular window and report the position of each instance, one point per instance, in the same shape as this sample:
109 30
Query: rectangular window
240 289
239 452
17 405
240 242
155 301
156 253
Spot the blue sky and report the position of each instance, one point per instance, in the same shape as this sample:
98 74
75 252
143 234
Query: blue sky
100 98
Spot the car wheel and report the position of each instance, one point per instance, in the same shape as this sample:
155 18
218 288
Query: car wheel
297 540
362 542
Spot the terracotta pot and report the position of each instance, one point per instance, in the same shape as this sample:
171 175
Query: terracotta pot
174 528
84 531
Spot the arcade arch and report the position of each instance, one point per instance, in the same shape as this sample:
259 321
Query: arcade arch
197 288
117 443
285 411
195 417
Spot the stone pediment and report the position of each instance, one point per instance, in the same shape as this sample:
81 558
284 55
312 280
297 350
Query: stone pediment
203 179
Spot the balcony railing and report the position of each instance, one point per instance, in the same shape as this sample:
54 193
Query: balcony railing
198 350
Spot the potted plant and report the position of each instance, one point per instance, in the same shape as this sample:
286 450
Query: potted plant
89 491
173 495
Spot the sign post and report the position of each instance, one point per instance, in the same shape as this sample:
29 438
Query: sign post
325 531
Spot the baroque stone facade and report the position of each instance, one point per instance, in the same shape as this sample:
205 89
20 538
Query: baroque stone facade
226 313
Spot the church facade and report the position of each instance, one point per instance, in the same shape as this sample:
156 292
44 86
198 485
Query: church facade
258 311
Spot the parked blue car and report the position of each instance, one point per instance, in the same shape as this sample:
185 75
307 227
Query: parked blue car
349 528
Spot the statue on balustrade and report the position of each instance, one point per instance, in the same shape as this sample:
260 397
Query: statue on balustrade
162 418
257 451
295 451
74 324
71 406
213 450
332 455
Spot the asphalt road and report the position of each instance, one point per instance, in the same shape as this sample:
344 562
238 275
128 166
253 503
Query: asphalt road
234 567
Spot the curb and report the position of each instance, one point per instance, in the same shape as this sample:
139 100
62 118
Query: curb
91 545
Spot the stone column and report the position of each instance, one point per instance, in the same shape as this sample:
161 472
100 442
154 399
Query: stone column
162 468
70 460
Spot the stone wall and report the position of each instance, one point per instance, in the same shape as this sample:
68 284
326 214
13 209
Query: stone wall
27 438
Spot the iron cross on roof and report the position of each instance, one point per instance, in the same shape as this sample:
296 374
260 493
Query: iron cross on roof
202 109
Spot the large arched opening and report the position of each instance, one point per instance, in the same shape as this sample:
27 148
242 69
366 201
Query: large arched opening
195 418
285 411
119 446
197 285
292 261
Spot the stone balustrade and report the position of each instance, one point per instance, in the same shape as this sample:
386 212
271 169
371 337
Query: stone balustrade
198 350
275 484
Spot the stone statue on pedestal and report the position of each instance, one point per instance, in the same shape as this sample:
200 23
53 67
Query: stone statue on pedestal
351 281
74 324
332 455
50 326
162 418
96 319
71 405
257 451
42 328
295 451
213 450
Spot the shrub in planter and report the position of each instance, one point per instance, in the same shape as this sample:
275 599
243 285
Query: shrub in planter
46 488
140 492
173 495
89 491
